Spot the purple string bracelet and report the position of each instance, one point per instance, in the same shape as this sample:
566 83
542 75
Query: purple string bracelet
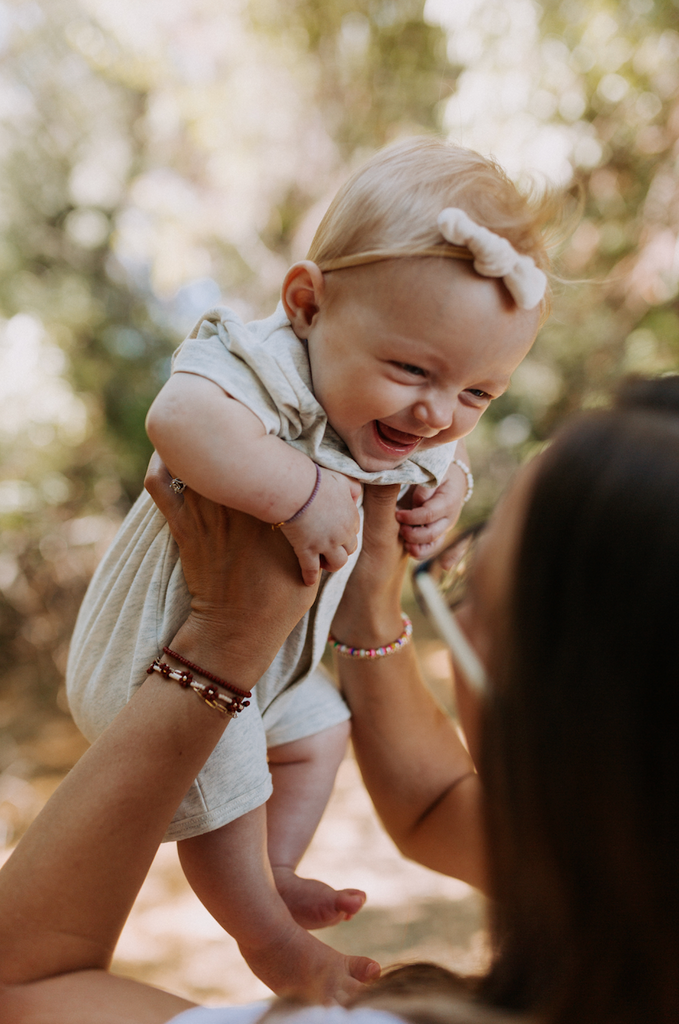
300 511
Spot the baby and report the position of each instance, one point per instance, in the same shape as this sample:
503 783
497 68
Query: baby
406 320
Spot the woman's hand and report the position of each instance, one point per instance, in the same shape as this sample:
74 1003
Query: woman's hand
247 594
369 612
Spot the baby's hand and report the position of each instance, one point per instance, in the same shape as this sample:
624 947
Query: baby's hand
325 535
431 513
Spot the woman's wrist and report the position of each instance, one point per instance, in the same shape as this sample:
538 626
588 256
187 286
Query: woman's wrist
215 649
376 624
369 613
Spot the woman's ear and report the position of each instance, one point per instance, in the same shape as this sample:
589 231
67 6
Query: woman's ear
302 294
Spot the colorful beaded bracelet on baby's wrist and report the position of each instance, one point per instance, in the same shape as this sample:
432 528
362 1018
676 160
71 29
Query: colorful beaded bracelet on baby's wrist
346 651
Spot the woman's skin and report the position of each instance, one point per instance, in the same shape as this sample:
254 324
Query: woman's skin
66 891
419 775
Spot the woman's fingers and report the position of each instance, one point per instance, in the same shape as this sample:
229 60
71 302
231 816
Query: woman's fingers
241 574
157 482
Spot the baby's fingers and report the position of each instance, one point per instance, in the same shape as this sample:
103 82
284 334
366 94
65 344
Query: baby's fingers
423 534
335 558
434 509
422 551
420 494
310 566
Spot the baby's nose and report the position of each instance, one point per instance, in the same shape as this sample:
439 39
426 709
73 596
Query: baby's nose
435 412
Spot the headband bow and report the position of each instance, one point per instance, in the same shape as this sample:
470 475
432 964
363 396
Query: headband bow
495 256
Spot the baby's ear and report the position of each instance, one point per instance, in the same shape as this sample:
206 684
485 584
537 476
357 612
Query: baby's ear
302 293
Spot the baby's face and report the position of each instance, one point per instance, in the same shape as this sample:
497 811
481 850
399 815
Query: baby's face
407 354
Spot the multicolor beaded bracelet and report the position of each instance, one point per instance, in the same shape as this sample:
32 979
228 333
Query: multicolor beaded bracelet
345 651
207 692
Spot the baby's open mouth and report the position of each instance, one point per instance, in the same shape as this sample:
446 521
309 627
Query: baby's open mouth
396 440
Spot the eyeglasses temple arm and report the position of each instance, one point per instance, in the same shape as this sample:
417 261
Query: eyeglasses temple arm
466 656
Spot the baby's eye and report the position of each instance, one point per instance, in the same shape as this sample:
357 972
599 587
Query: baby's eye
416 371
477 393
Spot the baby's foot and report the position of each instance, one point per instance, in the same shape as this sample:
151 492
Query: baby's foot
314 904
298 966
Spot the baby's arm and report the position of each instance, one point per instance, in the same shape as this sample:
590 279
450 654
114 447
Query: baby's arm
221 449
433 511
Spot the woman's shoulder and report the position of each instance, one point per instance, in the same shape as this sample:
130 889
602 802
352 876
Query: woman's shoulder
252 1012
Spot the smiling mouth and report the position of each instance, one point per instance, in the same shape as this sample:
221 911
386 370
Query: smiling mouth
396 441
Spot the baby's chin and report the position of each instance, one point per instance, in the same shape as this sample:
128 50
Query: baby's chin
377 449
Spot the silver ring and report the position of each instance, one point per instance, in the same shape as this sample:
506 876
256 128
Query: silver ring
177 485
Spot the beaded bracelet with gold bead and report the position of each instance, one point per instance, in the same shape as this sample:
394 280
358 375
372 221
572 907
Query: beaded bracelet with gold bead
209 693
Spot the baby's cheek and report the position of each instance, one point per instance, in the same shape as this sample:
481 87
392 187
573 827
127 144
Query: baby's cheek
466 418
443 438
458 428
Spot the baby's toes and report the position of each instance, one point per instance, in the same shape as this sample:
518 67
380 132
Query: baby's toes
349 901
314 904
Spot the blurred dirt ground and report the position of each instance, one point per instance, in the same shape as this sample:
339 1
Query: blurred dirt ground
171 941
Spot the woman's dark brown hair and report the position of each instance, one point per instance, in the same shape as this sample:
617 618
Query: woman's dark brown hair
580 732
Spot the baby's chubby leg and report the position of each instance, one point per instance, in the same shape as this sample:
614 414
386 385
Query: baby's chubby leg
303 774
229 871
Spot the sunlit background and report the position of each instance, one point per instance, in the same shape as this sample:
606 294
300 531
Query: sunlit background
160 155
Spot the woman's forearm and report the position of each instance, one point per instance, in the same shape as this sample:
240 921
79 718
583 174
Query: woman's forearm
419 775
67 889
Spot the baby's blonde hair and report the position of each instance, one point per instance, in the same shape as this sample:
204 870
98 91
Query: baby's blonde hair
389 207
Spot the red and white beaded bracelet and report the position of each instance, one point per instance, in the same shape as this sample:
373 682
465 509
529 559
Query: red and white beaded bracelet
227 704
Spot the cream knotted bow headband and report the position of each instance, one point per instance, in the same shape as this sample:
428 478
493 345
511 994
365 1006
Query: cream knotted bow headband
493 256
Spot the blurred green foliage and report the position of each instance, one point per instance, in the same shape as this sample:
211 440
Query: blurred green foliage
156 156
